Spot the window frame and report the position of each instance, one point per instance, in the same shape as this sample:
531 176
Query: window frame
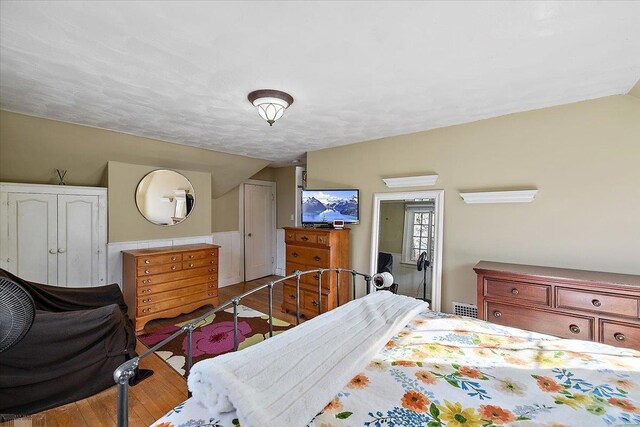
410 211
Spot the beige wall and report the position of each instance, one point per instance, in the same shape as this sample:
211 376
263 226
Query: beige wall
126 223
391 227
583 157
32 148
286 196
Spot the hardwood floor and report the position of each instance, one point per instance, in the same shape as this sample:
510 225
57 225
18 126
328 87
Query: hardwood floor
156 395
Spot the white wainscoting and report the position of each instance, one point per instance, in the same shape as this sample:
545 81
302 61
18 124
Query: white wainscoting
230 263
114 255
281 250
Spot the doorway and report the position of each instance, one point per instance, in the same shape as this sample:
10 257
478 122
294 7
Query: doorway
407 242
258 227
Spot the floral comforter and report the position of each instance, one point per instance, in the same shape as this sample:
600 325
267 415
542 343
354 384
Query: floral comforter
445 370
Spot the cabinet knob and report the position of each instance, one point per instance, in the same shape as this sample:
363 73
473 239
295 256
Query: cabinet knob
314 303
317 258
212 262
147 272
210 286
190 265
514 291
173 267
212 270
295 254
173 258
146 300
146 291
574 329
146 310
213 253
619 336
190 256
292 296
147 261
211 277
497 314
596 303
305 238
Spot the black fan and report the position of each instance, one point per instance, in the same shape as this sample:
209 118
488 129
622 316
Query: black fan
17 311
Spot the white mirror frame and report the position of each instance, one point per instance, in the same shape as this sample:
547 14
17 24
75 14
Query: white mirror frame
438 197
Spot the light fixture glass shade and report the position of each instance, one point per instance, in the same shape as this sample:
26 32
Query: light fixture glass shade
270 103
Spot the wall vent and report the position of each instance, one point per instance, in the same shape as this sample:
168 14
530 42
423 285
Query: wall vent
464 309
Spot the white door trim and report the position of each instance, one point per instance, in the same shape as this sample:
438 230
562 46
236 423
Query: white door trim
438 196
241 221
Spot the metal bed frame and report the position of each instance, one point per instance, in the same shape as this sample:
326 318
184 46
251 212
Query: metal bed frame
127 370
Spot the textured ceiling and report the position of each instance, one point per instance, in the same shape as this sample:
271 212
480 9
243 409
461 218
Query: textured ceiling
181 71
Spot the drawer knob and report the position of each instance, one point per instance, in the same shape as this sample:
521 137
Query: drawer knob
290 236
212 262
619 336
145 281
317 258
190 256
211 277
316 276
210 294
514 291
314 303
173 267
305 238
213 253
574 329
146 300
147 272
212 270
292 296
146 310
210 286
173 258
146 291
190 265
295 254
497 314
596 303
147 261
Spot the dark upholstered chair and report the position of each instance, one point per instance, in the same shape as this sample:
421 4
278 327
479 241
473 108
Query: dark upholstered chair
79 336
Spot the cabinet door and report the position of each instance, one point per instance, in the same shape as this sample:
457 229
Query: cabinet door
78 241
32 239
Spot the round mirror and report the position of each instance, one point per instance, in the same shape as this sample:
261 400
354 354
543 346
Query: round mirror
165 197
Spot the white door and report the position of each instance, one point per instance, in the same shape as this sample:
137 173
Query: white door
78 241
32 238
259 231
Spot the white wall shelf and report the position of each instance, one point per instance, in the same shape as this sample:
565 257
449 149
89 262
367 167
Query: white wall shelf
411 181
521 196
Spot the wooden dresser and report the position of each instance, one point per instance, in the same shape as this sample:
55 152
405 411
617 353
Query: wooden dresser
168 281
577 304
309 249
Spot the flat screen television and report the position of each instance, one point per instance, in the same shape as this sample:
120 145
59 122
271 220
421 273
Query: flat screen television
324 206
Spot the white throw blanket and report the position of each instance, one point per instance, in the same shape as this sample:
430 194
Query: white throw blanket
286 380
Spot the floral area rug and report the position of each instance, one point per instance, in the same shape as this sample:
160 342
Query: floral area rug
214 336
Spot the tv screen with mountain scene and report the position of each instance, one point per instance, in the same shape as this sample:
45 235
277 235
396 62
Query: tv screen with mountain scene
325 206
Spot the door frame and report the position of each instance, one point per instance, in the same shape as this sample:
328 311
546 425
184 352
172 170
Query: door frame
438 197
243 238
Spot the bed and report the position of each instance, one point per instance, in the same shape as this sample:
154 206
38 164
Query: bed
446 370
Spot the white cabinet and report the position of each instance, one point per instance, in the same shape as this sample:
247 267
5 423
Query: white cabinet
54 234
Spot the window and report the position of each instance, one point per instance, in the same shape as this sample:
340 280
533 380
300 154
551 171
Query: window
419 231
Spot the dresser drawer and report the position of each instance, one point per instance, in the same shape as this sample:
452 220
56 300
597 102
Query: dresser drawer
546 322
311 278
158 259
289 296
213 262
175 302
616 305
189 256
209 288
620 334
306 237
157 269
175 275
311 303
518 291
211 279
308 256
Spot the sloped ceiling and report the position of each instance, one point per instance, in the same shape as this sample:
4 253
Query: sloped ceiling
181 71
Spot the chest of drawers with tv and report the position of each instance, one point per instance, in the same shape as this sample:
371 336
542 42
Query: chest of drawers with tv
310 249
165 282
577 304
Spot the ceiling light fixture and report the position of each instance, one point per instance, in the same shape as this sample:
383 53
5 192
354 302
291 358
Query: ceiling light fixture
270 103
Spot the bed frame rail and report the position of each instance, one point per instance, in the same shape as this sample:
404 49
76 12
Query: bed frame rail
127 370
